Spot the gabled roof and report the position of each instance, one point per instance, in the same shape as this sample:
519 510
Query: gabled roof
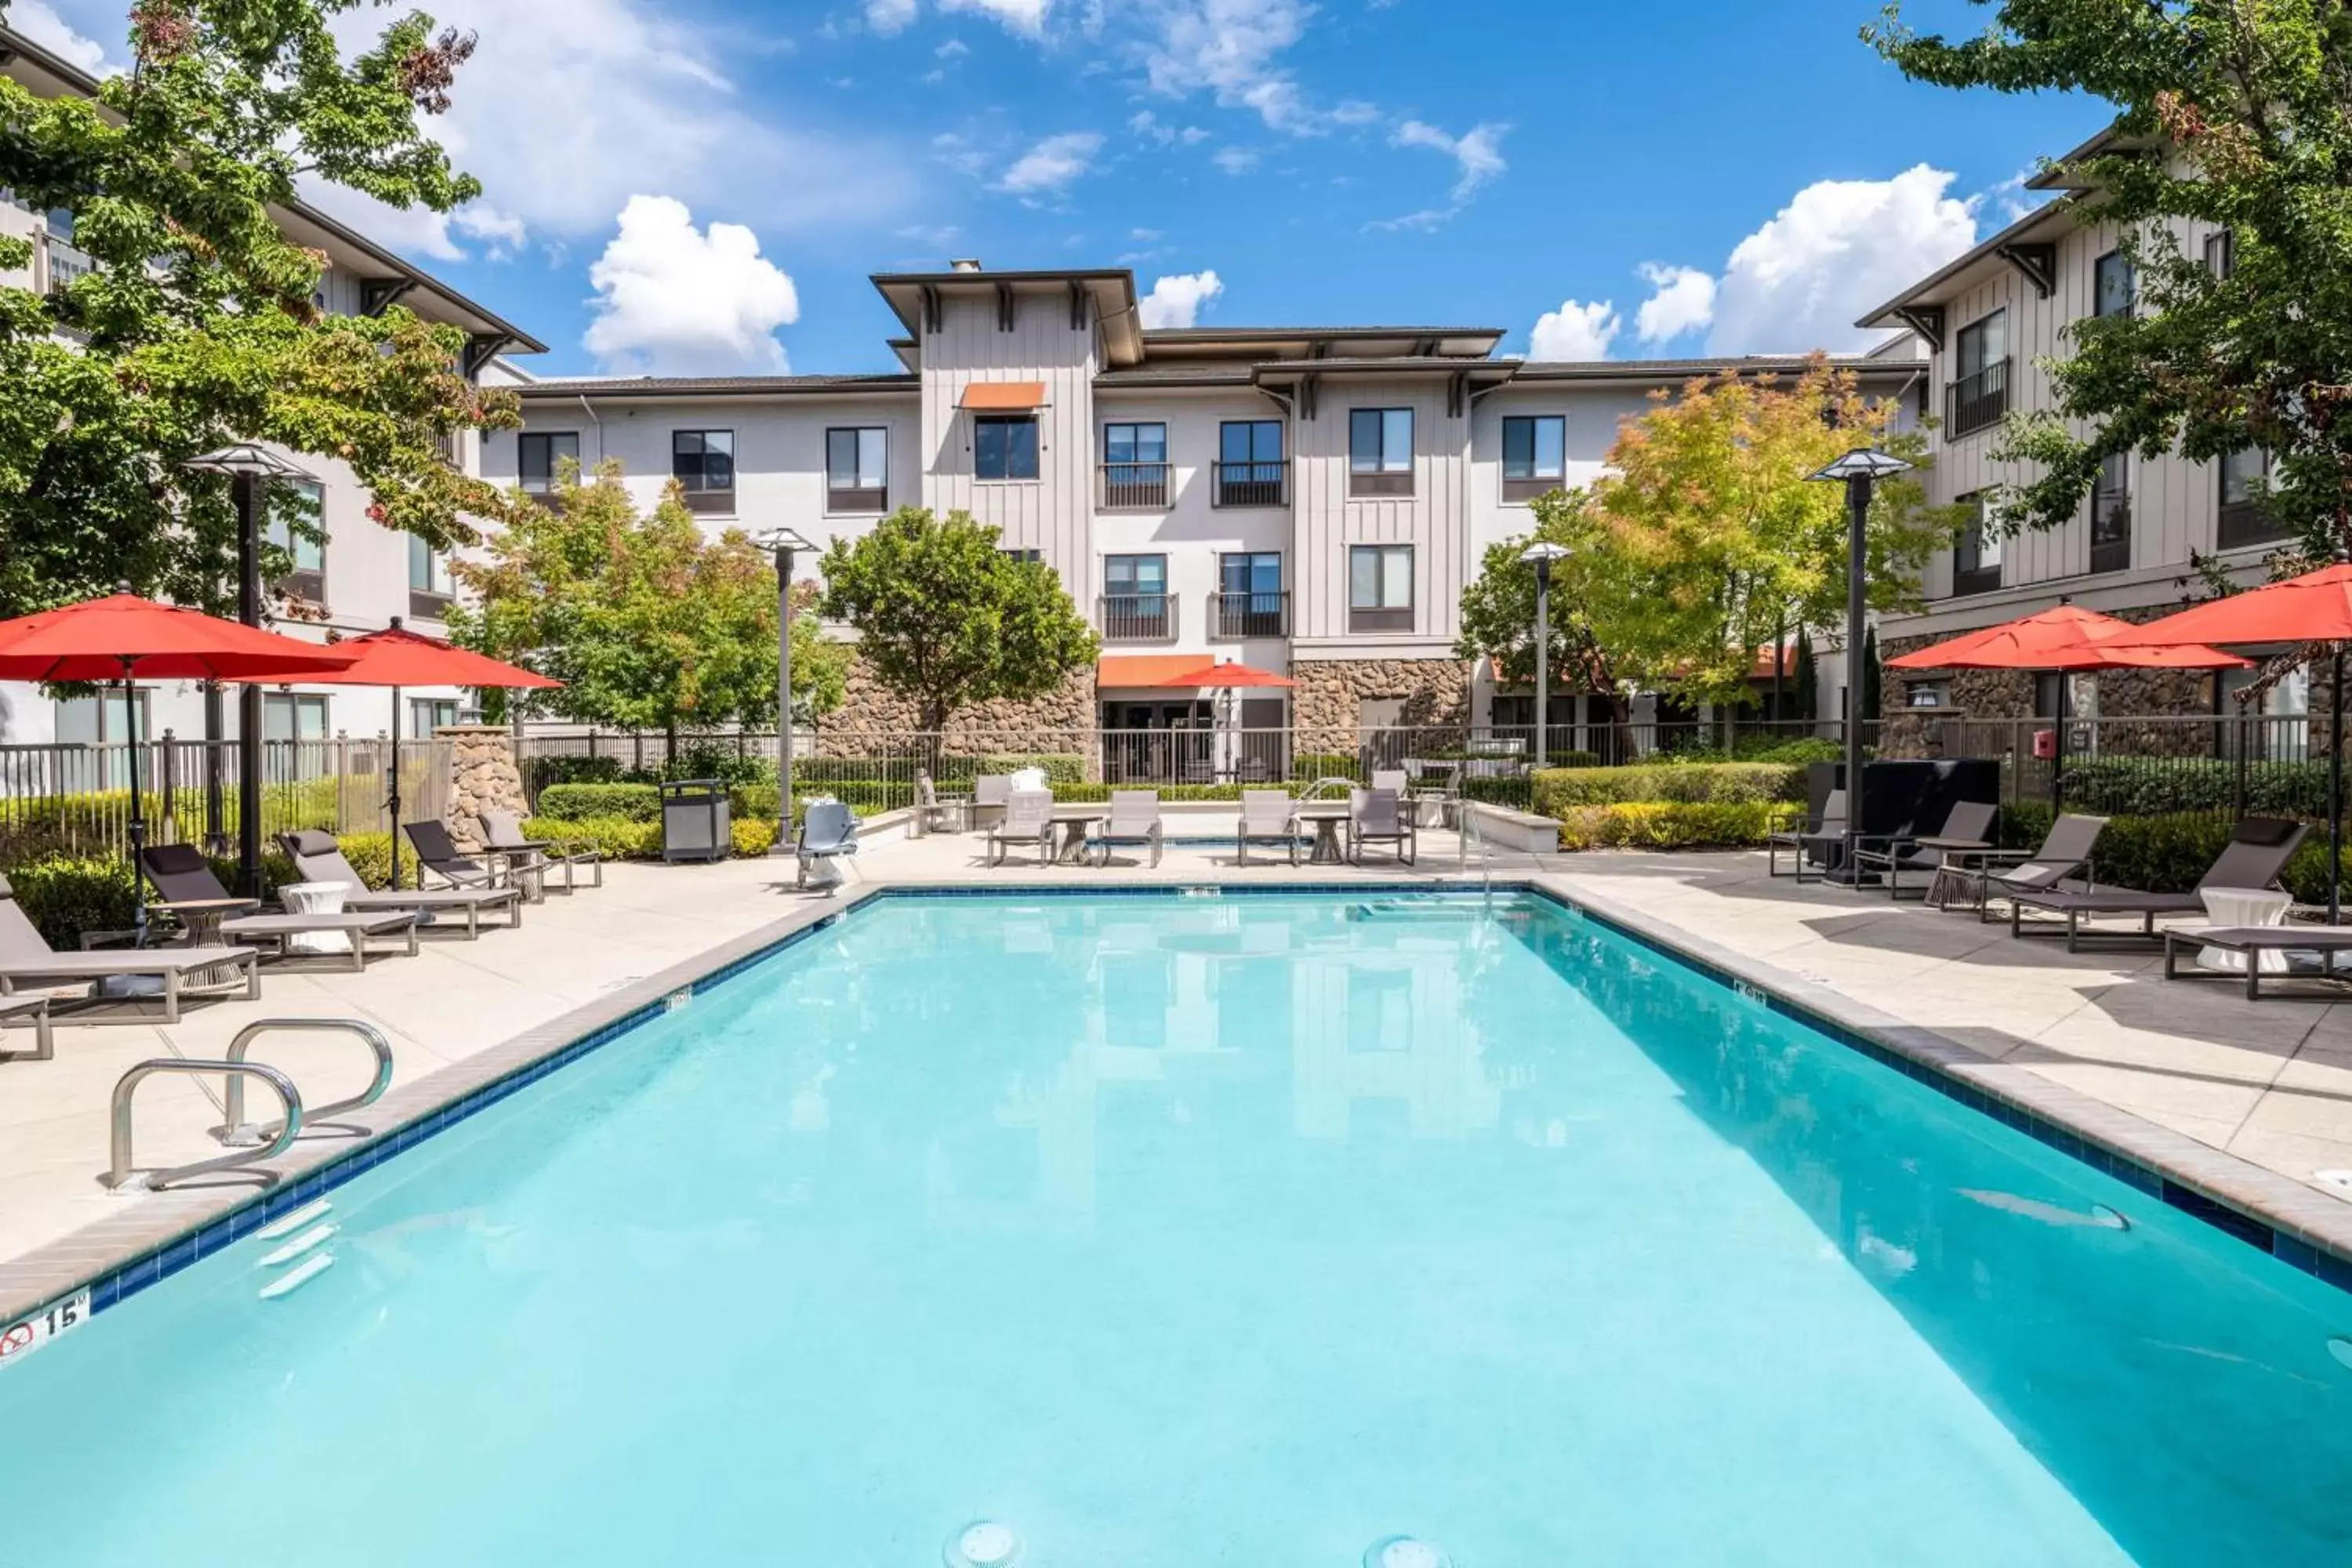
2047 219
1109 290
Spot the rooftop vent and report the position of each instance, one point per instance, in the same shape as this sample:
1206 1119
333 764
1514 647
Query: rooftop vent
963 264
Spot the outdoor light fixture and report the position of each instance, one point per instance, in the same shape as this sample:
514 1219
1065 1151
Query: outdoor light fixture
1541 556
785 542
1858 470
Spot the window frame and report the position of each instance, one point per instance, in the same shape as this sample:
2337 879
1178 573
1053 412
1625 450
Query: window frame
2100 307
297 702
307 584
2220 252
1249 611
544 493
1381 472
1254 487
856 498
427 602
1135 481
2110 543
418 706
701 495
1969 409
2243 521
1381 615
1521 489
982 422
1971 572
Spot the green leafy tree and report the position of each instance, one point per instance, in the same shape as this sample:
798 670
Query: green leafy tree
1498 607
1806 679
648 623
1874 674
2228 112
946 619
195 324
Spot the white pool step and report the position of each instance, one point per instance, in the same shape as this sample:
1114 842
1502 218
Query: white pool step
294 1279
286 1225
317 1235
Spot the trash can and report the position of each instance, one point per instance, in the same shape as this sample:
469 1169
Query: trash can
697 822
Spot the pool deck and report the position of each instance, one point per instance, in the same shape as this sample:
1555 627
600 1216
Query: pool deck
2187 1078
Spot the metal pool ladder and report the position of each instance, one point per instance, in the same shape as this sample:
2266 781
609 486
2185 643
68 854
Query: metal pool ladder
1465 833
238 1131
250 1144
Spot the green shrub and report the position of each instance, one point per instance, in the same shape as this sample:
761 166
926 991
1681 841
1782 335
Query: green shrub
66 895
620 837
1517 791
1305 767
1558 790
1575 759
753 836
1672 825
2155 786
1061 767
543 771
581 802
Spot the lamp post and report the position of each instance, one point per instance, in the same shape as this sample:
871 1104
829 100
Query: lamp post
785 541
1541 556
1858 470
250 467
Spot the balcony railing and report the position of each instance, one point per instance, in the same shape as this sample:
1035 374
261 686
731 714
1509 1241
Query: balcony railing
1253 484
1135 486
1249 615
1977 401
1138 617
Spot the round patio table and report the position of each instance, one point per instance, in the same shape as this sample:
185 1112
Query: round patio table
1327 816
1073 820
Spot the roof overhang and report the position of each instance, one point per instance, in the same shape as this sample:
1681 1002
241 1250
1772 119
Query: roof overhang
676 388
2009 247
1104 297
1262 343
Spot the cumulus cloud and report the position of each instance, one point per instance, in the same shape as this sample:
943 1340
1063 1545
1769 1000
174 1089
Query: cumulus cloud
1049 167
39 21
1478 151
1681 299
1176 301
1575 332
1838 248
1234 160
672 300
1021 15
887 16
1232 49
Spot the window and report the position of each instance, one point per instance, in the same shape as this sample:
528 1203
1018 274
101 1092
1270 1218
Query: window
1250 600
426 714
2110 514
1134 465
306 501
1980 395
703 463
540 459
293 716
1136 604
1380 589
1023 557
1380 452
104 720
1535 455
857 469
2111 285
2244 520
1250 466
1004 446
2221 254
1976 556
428 581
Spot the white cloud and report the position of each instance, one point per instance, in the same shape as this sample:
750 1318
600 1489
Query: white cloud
1478 151
1021 15
1234 160
1176 301
1575 332
1681 299
953 50
1050 166
887 16
675 301
1232 49
39 21
1838 248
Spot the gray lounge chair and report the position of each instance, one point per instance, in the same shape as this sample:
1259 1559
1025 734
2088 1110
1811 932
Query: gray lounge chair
991 795
1269 816
1812 845
502 831
2257 853
27 958
828 832
318 858
1377 816
1028 819
438 853
2065 851
35 1010
1134 819
1967 819
184 878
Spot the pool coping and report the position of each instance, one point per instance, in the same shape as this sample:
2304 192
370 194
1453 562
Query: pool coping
115 1258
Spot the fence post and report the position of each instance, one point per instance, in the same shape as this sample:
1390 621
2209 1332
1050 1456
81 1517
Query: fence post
167 778
2238 774
637 740
591 745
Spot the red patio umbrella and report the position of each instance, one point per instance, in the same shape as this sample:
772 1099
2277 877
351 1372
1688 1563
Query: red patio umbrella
1229 675
125 638
397 657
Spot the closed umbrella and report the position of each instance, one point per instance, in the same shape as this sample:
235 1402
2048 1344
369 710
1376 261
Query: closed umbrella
125 638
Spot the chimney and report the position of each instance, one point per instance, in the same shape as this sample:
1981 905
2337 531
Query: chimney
963 264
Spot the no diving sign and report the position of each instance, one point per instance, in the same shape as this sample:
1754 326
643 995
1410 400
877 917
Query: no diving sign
21 1339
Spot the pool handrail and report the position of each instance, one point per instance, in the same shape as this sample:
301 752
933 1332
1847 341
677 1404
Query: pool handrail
238 1132
119 1167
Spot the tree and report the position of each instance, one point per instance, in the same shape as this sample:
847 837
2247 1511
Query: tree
1498 607
1873 676
195 325
1806 679
946 619
2228 113
648 623
1709 538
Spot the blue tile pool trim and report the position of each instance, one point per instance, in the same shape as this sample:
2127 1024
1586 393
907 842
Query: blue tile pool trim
118 1285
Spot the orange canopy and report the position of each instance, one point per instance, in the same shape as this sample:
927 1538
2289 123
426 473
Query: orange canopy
398 657
2314 607
2063 636
123 636
1003 396
1178 672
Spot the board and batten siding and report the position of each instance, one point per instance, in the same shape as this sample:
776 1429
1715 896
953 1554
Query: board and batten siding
1434 520
1052 512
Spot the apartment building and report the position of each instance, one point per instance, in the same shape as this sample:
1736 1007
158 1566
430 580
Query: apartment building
364 574
1310 502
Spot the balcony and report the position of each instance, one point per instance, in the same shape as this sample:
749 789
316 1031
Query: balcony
1232 616
1253 484
1977 402
873 499
1135 487
1136 617
60 264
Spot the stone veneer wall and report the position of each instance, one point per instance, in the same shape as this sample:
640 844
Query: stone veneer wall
1061 721
1327 705
482 777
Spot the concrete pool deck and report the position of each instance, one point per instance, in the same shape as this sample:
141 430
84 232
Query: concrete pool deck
2267 1085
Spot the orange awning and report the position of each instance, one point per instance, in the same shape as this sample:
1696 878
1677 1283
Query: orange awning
1178 672
1003 396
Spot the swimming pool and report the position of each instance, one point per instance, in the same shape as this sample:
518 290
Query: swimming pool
1182 1231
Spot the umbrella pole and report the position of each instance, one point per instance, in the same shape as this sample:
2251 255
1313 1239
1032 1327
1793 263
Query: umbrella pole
2335 791
395 802
138 820
2058 751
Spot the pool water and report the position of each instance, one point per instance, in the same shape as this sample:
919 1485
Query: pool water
1252 1230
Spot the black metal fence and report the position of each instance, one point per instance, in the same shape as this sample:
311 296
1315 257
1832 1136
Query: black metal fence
2227 766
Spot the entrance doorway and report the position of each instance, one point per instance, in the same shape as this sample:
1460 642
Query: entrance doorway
1159 742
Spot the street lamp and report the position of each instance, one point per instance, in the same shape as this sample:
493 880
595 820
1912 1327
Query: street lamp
1858 470
1541 556
783 541
250 466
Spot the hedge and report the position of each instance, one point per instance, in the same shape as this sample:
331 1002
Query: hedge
2153 787
584 802
65 894
1672 824
1559 790
2169 854
624 838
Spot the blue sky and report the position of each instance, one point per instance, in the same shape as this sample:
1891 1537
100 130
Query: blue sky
701 185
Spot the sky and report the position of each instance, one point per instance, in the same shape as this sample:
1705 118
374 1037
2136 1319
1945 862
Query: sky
703 187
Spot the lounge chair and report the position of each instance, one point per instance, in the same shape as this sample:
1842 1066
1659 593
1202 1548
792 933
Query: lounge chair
438 853
1969 819
934 811
2258 851
184 878
1028 819
35 1010
1377 816
1267 816
27 958
1134 819
828 832
502 831
318 858
991 793
2065 851
1812 845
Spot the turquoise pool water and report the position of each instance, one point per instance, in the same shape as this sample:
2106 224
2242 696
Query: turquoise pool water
1178 1232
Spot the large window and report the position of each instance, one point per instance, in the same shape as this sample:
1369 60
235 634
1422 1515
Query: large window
2111 285
1004 446
1380 589
1380 452
1535 455
104 720
1250 599
428 581
857 469
293 716
2110 514
1980 395
426 714
703 463
2221 253
2244 520
1134 465
541 461
1976 556
304 502
1250 466
1137 606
